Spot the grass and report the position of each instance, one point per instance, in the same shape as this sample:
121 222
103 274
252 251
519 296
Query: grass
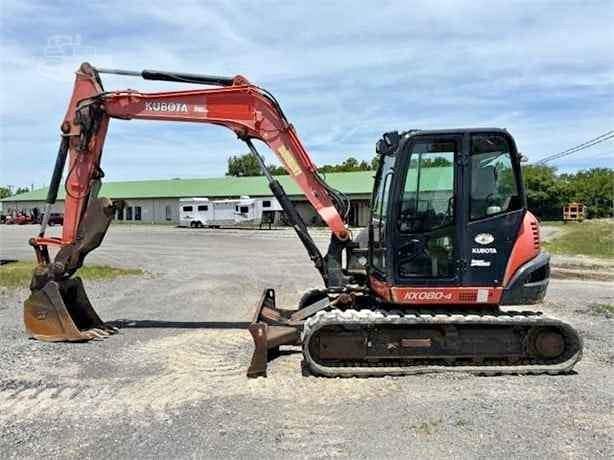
606 309
589 238
19 274
553 223
426 428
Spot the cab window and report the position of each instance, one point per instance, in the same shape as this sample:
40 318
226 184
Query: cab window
494 189
379 210
426 215
379 206
427 202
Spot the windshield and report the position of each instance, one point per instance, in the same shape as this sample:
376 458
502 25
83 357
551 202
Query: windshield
427 200
493 184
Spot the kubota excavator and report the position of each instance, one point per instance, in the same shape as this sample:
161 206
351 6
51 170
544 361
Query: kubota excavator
449 241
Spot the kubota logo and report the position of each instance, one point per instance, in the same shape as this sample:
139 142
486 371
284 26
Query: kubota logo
484 238
427 295
166 107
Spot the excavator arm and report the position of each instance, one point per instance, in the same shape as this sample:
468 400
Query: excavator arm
251 112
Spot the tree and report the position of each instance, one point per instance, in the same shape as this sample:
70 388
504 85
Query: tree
243 165
546 194
4 192
21 190
247 165
547 191
593 187
437 162
374 163
348 165
278 170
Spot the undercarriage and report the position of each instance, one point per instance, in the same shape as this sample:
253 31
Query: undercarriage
381 341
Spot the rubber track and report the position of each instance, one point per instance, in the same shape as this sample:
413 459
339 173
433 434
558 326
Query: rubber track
406 317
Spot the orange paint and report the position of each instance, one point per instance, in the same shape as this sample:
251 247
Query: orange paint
381 289
527 246
474 296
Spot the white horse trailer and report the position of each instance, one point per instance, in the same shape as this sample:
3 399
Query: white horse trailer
245 211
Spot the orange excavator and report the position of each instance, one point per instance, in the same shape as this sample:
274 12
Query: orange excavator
450 241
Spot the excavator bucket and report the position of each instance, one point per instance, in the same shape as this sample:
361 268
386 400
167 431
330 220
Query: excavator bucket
61 311
58 308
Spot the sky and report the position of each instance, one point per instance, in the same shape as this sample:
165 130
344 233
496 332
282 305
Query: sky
345 72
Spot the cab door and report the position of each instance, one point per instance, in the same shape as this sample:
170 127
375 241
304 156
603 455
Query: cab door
495 207
427 236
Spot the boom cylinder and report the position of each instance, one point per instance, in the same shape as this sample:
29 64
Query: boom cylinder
180 77
294 218
54 185
58 169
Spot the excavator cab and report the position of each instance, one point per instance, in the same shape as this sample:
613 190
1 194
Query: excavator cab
450 240
446 209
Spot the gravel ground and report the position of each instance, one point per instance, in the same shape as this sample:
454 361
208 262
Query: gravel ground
181 392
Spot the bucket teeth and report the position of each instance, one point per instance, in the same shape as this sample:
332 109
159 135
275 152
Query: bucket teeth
96 334
60 311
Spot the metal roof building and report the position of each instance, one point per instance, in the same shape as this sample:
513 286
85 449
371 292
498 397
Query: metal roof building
157 201
350 183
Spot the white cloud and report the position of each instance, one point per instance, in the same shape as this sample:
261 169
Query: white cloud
343 73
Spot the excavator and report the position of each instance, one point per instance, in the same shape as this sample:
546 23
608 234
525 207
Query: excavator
450 242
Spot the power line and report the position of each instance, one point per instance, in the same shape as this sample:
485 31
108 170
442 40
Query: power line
597 140
604 137
587 142
560 155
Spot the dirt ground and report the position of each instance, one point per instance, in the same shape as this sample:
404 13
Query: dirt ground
181 392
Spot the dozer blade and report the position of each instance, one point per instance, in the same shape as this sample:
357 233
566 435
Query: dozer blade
60 311
270 328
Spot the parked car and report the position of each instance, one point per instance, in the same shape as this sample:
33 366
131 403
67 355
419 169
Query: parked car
18 219
55 218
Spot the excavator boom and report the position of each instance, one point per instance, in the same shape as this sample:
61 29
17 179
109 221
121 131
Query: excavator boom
58 308
246 109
